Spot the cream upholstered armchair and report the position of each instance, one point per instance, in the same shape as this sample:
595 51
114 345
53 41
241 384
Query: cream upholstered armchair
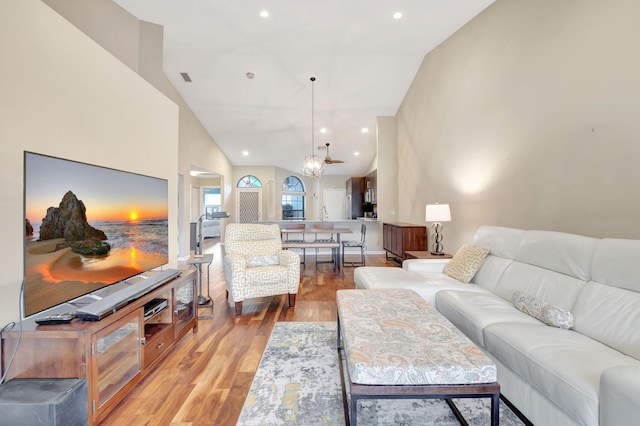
255 264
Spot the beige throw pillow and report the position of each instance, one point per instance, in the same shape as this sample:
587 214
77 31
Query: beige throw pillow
465 263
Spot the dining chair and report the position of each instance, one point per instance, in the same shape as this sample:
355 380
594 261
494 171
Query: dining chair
352 244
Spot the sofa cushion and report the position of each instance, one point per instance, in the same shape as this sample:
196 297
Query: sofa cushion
465 263
555 288
543 311
610 315
490 271
471 312
562 364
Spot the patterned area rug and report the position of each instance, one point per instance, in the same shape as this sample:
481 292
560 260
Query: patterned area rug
298 383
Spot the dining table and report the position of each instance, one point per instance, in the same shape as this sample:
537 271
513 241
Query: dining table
320 230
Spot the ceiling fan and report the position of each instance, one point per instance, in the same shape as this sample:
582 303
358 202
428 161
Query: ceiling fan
328 160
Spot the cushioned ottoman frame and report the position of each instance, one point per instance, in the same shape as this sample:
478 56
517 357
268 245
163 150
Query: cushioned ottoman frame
413 391
446 392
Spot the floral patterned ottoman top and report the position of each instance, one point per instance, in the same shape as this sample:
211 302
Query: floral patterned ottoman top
395 337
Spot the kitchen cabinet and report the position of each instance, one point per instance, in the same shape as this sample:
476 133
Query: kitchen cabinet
398 238
113 354
355 197
371 188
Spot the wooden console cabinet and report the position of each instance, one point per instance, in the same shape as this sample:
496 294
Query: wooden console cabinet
398 238
112 354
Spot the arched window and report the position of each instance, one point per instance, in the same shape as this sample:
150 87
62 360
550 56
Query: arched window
249 181
292 199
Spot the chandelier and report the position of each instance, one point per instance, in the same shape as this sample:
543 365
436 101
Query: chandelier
313 166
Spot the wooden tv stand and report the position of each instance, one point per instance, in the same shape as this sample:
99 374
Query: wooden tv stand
112 354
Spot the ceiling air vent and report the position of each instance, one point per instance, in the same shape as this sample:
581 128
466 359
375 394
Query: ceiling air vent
185 77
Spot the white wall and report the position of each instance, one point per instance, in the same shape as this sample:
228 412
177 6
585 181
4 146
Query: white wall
63 95
528 117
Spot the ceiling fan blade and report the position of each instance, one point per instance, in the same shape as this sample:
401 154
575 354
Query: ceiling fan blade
328 159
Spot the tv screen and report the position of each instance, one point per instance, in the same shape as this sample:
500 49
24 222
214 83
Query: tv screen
88 227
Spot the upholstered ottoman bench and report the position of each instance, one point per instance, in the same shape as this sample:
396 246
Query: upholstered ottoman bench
396 345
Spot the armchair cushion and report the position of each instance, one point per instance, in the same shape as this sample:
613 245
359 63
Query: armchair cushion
255 261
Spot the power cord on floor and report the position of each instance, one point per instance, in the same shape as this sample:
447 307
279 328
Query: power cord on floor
8 327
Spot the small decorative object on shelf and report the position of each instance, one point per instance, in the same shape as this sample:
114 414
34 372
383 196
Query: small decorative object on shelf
437 213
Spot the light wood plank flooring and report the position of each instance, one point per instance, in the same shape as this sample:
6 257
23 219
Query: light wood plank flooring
206 377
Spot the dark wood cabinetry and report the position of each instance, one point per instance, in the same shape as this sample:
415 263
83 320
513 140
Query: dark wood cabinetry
398 238
355 197
112 354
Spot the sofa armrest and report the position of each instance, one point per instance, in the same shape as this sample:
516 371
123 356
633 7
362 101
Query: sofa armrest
619 390
424 265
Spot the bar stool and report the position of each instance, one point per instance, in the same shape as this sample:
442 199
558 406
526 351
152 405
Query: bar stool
288 239
361 244
328 226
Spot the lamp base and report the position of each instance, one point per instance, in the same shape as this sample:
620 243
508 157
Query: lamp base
437 254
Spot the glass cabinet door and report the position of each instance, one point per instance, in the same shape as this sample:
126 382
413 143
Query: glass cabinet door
184 305
117 355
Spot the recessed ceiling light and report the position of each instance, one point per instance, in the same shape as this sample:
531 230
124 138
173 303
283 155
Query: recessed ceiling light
323 130
264 13
397 15
245 153
365 130
250 75
356 153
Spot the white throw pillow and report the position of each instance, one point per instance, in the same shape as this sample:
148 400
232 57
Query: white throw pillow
543 311
465 263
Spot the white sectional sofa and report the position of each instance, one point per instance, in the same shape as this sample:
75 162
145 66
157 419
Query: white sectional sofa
586 375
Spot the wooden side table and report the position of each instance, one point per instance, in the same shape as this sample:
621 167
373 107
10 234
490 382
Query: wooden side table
425 255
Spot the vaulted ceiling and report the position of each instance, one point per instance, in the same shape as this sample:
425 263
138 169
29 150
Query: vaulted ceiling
250 74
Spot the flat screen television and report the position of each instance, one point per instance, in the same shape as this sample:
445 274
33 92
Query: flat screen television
88 227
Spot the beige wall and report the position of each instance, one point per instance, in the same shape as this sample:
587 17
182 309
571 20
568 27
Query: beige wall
139 45
272 179
63 95
528 117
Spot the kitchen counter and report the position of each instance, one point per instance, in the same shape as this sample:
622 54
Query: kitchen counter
374 230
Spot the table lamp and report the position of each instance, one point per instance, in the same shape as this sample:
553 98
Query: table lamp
437 213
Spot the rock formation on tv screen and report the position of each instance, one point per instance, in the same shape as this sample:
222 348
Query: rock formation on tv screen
69 221
28 232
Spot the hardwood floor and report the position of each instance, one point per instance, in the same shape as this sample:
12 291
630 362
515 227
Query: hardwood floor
206 377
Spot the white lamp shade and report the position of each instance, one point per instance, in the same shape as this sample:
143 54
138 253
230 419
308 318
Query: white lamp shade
437 213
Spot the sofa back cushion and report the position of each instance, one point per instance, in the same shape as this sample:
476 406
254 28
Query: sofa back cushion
502 244
567 254
608 308
555 288
610 315
615 263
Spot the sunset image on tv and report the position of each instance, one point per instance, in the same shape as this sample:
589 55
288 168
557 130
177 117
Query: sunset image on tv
87 227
